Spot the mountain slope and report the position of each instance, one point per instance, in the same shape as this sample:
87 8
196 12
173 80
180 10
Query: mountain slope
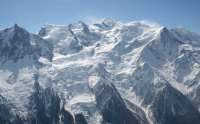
108 72
16 43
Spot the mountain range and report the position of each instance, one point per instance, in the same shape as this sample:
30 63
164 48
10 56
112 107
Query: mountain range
109 72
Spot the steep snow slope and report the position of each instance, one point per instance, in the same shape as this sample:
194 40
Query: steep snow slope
85 35
96 68
186 35
62 37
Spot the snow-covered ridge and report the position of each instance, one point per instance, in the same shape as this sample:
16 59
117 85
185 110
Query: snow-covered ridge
16 43
94 68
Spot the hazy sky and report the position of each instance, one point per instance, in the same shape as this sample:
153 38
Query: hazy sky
33 14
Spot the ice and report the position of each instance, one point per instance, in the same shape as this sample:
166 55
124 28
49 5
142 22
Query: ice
130 55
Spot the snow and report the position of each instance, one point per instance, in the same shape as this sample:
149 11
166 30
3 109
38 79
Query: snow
93 80
127 51
61 37
87 98
183 31
17 82
185 35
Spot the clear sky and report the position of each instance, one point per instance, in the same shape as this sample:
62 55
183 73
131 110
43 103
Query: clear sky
33 14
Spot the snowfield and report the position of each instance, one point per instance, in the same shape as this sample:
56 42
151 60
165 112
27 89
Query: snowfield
133 61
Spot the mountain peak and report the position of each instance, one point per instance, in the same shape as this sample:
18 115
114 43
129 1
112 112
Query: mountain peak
80 22
78 25
164 34
106 24
164 30
182 30
16 25
106 20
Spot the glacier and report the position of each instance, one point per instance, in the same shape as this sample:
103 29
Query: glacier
107 72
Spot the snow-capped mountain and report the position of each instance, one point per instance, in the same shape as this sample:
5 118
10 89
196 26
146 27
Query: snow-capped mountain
16 43
108 72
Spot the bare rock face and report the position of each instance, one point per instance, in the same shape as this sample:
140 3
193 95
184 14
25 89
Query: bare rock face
16 43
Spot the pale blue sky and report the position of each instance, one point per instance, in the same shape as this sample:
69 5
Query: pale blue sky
33 14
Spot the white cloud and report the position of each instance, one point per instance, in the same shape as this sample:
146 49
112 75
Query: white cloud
151 23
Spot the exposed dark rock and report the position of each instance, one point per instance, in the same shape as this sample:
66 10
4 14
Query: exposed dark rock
46 104
80 119
16 45
66 117
137 112
98 45
172 107
115 112
112 106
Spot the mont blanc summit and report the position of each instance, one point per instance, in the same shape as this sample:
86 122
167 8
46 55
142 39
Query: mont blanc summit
107 72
